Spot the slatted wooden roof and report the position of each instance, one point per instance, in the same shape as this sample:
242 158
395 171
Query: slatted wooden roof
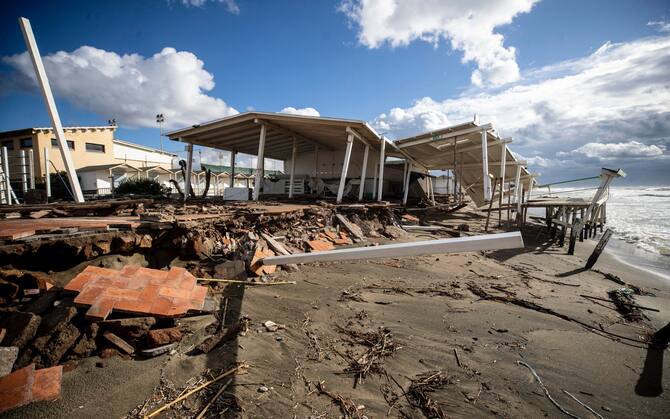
241 133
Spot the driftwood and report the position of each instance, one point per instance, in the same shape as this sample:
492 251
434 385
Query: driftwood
546 392
599 249
419 393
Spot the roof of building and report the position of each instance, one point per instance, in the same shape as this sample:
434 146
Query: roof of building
238 170
143 147
31 130
106 167
241 133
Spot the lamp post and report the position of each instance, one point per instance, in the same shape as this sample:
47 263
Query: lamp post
160 119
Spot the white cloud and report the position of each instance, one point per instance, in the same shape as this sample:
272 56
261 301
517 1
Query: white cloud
619 93
302 111
601 151
468 25
130 87
231 5
661 25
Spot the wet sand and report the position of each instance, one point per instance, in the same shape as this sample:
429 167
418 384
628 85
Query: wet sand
428 306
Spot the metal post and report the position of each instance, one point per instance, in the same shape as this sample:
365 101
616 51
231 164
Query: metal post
47 171
409 175
51 107
485 167
382 160
233 154
31 167
189 169
345 167
260 163
24 173
294 153
364 170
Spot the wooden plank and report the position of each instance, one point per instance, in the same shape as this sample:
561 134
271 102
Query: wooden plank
510 240
120 343
599 249
351 227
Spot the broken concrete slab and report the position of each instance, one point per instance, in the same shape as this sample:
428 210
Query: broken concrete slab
8 355
21 328
158 351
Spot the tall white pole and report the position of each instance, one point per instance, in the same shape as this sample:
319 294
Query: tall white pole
294 153
382 160
8 184
407 179
189 170
260 163
233 154
31 163
47 171
24 172
345 167
364 170
51 107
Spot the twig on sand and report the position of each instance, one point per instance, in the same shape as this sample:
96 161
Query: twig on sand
418 393
348 407
380 344
546 392
580 402
458 360
216 396
195 390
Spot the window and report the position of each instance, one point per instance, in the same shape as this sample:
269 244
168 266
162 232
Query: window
70 144
26 142
97 148
9 144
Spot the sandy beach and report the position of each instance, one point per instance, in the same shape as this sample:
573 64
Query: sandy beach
470 324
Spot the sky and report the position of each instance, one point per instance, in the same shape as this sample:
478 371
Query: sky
577 85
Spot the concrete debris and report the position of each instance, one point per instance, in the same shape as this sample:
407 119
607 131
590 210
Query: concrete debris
8 355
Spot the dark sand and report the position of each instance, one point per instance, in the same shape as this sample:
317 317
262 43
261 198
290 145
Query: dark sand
616 378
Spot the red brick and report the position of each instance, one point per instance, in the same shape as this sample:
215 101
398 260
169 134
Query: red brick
100 309
174 293
47 384
16 388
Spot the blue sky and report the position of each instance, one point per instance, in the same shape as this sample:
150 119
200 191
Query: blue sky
405 69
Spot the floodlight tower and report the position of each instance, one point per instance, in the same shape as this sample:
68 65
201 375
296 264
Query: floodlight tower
160 119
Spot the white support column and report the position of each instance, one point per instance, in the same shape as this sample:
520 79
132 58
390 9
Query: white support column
233 155
530 187
406 188
517 181
374 180
51 107
485 167
189 169
364 170
503 165
47 171
519 198
260 164
24 172
345 167
432 189
294 153
382 160
31 171
5 168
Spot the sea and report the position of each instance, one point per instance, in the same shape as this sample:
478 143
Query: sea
640 219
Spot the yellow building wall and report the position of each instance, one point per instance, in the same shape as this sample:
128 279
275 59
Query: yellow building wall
80 155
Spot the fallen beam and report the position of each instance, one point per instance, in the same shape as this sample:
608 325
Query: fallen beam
512 240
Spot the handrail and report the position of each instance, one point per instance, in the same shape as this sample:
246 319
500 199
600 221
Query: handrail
567 181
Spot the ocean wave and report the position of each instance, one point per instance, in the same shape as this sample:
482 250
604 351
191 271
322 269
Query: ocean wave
653 195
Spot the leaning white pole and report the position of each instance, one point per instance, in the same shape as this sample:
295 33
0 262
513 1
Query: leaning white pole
407 178
294 153
485 167
364 170
189 170
517 180
47 174
345 167
382 160
51 107
260 163
498 241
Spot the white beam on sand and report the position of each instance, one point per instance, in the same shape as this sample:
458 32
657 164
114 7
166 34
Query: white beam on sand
260 163
51 107
511 240
345 167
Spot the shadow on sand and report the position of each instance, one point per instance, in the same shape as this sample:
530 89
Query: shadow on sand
650 383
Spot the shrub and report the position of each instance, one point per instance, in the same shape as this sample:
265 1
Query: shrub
140 187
